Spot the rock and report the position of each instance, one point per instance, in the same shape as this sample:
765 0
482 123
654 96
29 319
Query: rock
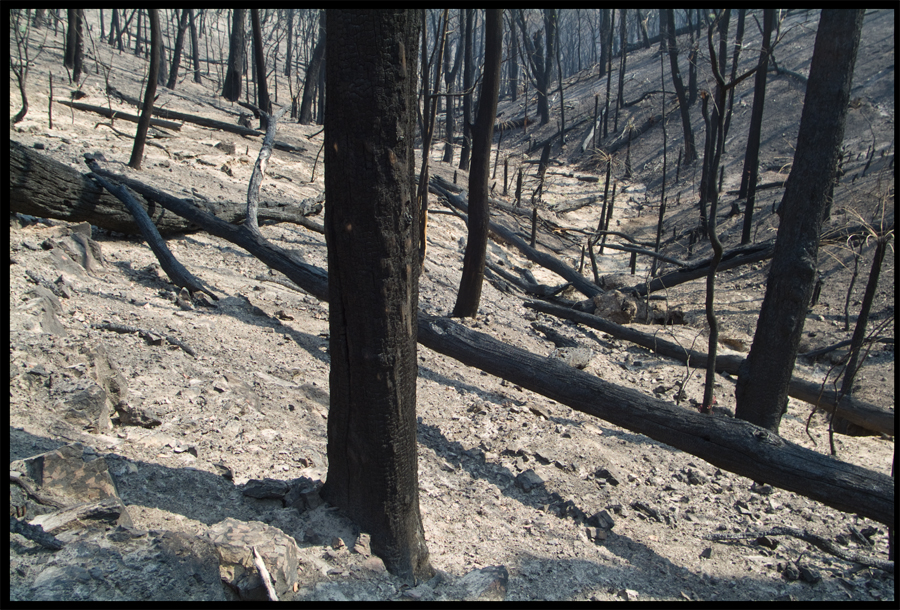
304 495
130 415
615 307
790 572
602 520
577 357
597 534
763 490
109 511
87 408
70 475
374 564
607 475
809 574
696 477
227 147
629 595
266 489
38 313
528 480
706 553
646 509
234 540
485 584
161 566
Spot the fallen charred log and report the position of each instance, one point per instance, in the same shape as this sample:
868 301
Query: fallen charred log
861 413
43 187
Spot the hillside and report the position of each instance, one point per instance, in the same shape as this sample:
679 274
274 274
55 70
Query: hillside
568 506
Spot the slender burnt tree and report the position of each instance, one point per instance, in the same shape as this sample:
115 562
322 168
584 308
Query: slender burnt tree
479 213
468 71
312 74
195 46
751 157
449 79
371 230
690 153
137 153
179 46
763 379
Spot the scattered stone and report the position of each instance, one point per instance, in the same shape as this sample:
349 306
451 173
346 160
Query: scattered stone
629 595
763 490
597 534
577 357
706 553
108 511
602 520
223 471
809 574
234 541
485 584
766 541
98 567
374 564
697 477
790 572
130 415
528 480
646 509
70 475
266 489
607 475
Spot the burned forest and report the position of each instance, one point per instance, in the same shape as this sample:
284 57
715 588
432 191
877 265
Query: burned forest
452 304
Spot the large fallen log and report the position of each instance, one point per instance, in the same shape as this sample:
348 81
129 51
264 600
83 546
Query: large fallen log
869 416
43 187
731 444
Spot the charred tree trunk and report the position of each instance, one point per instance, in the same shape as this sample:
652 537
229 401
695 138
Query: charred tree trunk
259 59
373 256
179 45
751 158
468 70
312 74
195 46
479 212
231 90
762 385
74 56
690 153
137 153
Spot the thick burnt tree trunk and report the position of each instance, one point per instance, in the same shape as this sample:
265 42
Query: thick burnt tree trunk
371 228
761 390
231 90
479 212
179 46
259 60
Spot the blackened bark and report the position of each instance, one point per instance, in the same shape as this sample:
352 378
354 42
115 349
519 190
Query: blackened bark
371 228
479 214
449 79
761 390
468 70
312 74
137 153
179 45
690 153
195 47
513 63
751 158
231 90
74 55
259 60
290 41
